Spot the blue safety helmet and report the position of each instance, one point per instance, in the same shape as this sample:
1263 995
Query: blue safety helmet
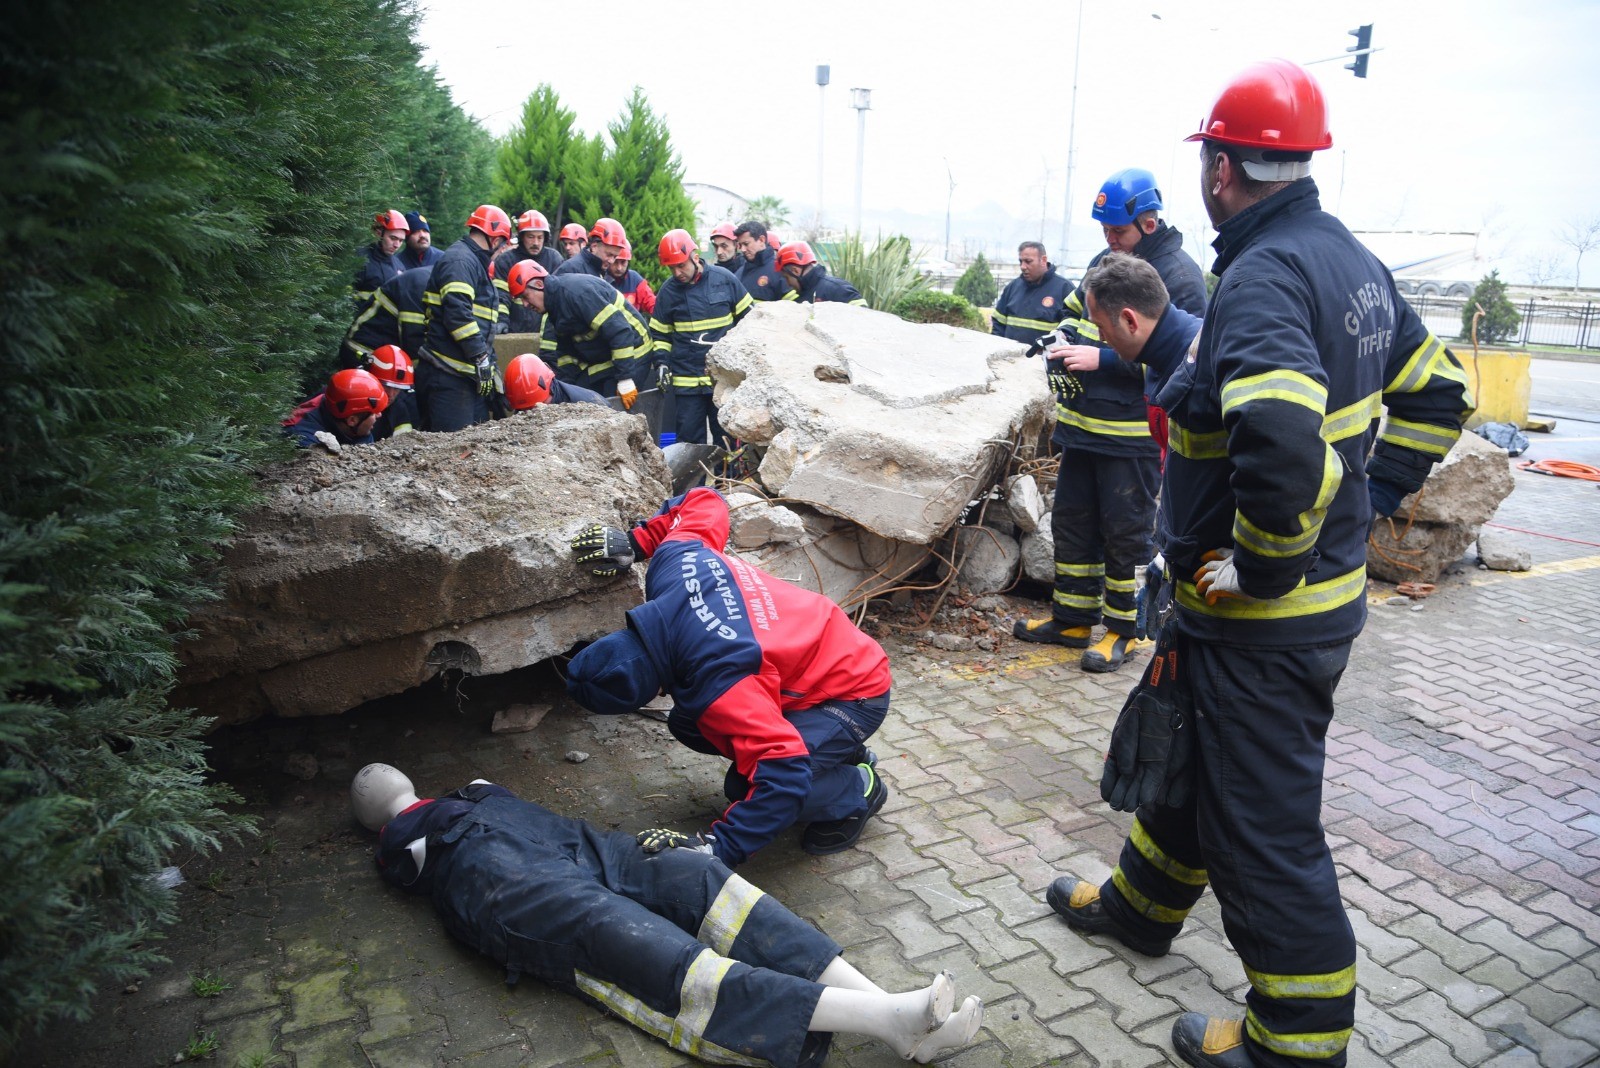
1125 196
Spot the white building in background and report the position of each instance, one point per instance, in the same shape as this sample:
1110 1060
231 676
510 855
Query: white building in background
712 205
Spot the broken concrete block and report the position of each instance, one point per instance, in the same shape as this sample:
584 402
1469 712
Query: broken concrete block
754 522
1039 553
518 718
894 426
363 574
1463 492
986 560
1501 553
841 561
1024 503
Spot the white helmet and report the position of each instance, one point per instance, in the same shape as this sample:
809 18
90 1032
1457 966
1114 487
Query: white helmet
378 793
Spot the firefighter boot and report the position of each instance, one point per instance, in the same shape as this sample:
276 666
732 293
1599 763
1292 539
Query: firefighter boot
1207 1042
1049 632
1110 652
1079 904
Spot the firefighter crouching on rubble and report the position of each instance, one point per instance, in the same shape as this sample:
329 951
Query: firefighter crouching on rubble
773 677
1270 493
343 414
456 368
697 307
596 338
665 938
390 365
530 383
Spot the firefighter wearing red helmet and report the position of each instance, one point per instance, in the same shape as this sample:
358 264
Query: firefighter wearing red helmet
1275 472
571 240
456 367
391 365
629 282
533 231
530 383
596 338
696 308
604 241
343 414
378 265
759 271
396 315
724 244
810 280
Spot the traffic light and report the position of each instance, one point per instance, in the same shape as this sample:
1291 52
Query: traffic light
1362 48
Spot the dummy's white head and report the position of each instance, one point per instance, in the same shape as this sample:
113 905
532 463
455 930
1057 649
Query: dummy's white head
379 793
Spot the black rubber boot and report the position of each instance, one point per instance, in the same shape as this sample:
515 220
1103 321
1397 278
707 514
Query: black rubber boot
1079 904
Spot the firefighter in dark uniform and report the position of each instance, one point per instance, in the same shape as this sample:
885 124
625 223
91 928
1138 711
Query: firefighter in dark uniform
724 243
533 233
529 383
396 315
1034 302
418 250
605 241
390 365
571 240
696 307
633 286
650 928
810 280
1103 519
598 340
1271 492
456 368
770 676
343 414
389 229
759 275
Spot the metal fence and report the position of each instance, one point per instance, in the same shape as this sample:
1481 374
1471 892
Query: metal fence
1570 324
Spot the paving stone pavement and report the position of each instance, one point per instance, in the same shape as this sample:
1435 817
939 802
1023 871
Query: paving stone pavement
1462 804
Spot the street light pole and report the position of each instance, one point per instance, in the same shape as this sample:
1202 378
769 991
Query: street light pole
861 100
1072 132
947 201
822 114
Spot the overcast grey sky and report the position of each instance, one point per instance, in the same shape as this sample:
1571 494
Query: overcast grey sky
1476 115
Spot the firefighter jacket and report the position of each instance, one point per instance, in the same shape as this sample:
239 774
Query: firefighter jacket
516 318
1305 343
818 286
375 269
567 393
1168 355
463 307
396 316
1104 411
311 417
401 417
636 291
689 319
739 648
585 262
1025 311
761 279
591 330
408 260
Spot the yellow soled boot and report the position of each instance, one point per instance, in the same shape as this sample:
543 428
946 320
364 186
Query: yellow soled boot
1207 1042
1049 632
1110 652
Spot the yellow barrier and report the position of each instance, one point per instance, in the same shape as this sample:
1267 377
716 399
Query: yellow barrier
1500 381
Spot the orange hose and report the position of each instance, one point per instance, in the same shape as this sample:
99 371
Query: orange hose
1563 468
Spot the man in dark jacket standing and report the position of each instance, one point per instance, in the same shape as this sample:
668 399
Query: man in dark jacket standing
697 307
456 368
1035 301
759 273
378 265
533 231
418 250
1103 519
1275 472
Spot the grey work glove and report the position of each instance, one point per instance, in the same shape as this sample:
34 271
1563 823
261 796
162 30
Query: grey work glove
607 550
484 366
658 838
1218 577
1151 759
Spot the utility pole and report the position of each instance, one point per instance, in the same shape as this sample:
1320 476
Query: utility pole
1072 131
861 100
822 114
947 201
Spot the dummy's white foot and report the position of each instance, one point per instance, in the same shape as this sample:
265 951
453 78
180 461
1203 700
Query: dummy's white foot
957 1031
919 1014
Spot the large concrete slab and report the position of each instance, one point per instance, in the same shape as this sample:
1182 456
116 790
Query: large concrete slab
894 426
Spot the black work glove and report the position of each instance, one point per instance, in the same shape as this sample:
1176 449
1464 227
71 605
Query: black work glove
607 550
1062 381
1385 496
484 366
658 838
1151 759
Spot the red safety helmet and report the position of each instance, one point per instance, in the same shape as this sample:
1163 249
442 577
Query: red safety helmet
572 232
528 381
355 392
491 221
390 364
724 230
608 232
390 220
624 251
532 220
795 253
676 247
772 241
522 273
1275 105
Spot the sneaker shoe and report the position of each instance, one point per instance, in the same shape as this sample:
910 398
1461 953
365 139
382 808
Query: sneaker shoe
1207 1042
1079 904
1049 632
835 836
1110 652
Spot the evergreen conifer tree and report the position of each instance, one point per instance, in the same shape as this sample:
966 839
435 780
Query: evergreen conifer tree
643 183
1501 318
544 163
977 284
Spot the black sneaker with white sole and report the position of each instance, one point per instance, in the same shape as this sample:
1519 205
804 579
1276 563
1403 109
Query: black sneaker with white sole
834 836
